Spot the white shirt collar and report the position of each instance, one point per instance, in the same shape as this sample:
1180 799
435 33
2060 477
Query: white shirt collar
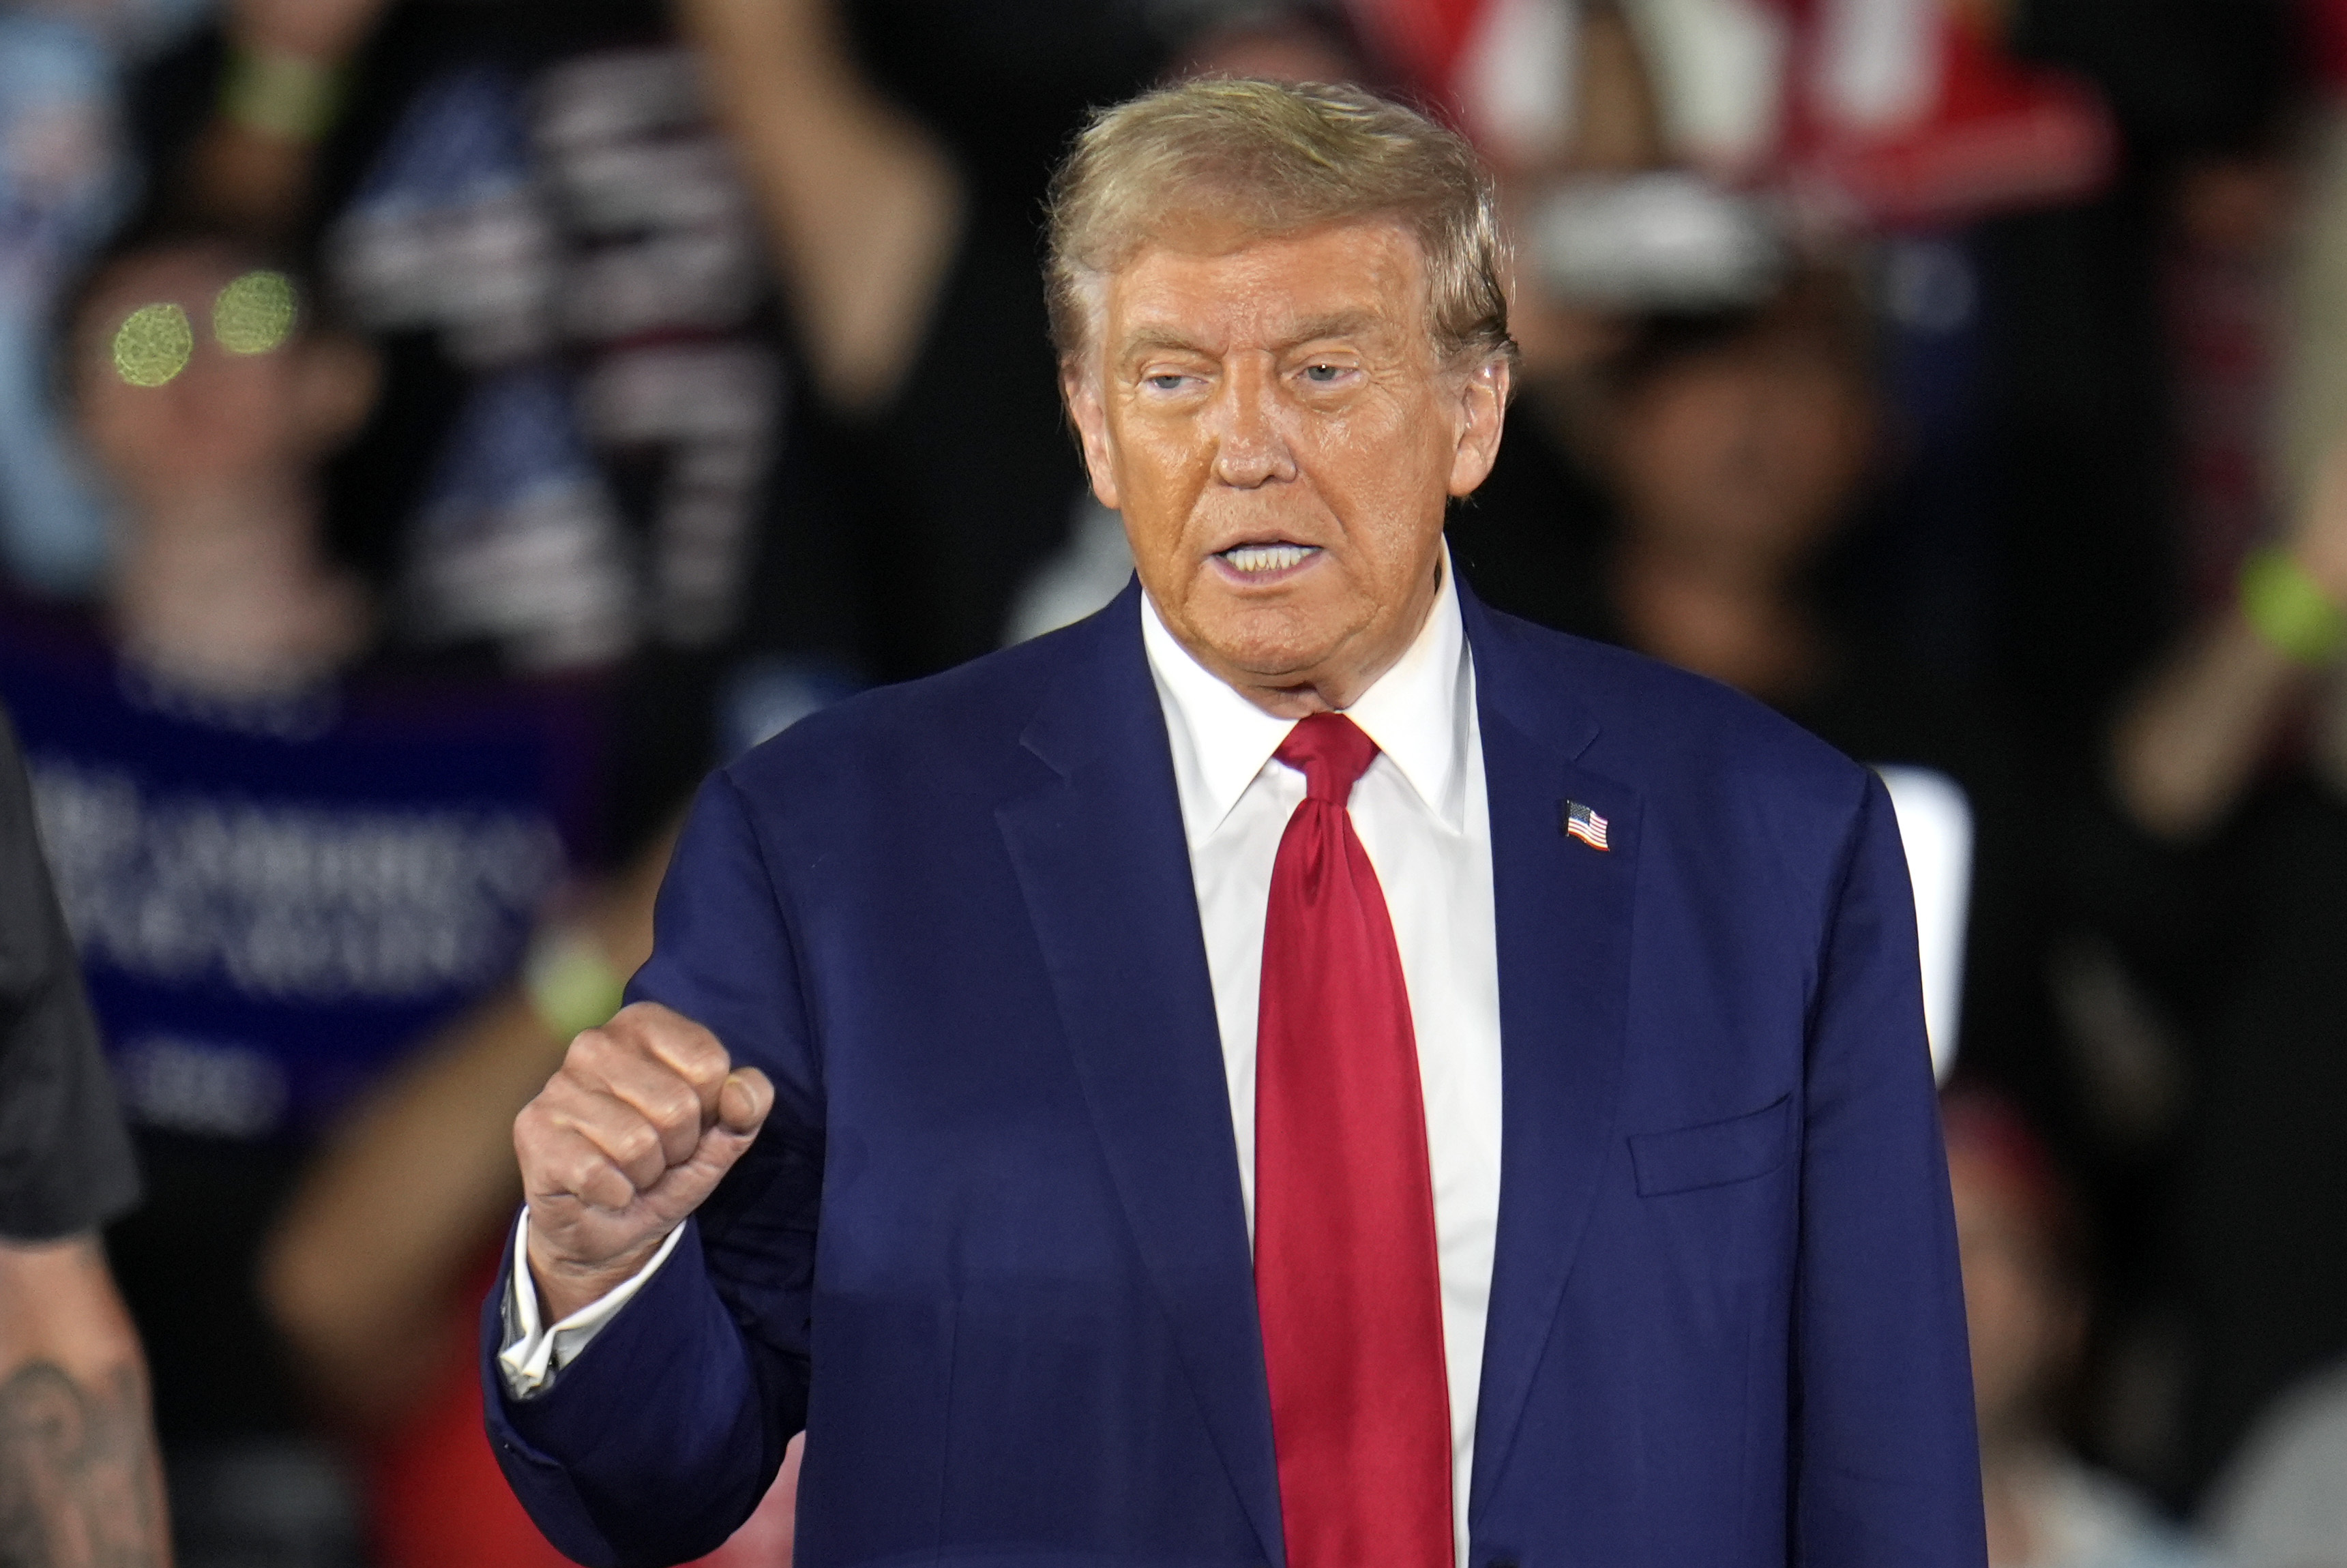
1416 713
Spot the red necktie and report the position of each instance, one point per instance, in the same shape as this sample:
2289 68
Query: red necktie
1344 1211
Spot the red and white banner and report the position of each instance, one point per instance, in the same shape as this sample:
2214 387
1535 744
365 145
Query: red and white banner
1892 113
1911 113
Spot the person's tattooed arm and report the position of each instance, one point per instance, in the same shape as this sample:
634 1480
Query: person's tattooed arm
79 1485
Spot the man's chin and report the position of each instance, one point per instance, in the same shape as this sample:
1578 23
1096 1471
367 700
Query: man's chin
1277 638
1274 657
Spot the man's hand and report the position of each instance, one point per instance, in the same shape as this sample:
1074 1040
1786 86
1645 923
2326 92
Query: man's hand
630 1137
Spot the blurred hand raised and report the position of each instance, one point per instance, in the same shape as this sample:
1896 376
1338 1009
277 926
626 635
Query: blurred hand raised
324 31
2319 541
628 1138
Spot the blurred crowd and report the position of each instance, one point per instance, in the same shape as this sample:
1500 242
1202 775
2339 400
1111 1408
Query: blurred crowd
434 432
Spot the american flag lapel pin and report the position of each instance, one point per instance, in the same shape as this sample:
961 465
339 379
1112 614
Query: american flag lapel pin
1582 823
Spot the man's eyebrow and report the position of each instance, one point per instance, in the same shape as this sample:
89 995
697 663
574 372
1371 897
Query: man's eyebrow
1158 340
1319 329
1340 323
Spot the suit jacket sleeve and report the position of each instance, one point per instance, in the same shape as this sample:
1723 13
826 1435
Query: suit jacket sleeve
1886 1462
662 1437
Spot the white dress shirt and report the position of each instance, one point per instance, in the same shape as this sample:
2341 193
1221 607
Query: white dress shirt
1424 819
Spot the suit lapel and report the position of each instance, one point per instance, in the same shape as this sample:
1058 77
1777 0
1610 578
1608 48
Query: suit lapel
1105 871
1563 915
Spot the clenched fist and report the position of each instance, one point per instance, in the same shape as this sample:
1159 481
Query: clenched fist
628 1138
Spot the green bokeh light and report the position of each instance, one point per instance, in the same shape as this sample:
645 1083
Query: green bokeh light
153 346
254 314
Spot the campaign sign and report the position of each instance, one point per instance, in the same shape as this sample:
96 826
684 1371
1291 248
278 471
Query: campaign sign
275 900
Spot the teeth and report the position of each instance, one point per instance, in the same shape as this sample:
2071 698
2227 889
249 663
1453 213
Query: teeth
1265 558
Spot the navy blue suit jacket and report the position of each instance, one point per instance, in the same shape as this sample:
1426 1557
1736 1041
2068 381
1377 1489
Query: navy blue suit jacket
990 1248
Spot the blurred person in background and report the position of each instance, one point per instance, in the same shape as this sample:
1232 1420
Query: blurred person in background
898 152
2136 366
905 272
1732 447
2221 880
2071 450
2240 692
76 116
592 450
79 1486
2229 900
286 853
2027 1298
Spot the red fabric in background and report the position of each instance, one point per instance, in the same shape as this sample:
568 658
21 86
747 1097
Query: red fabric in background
439 1500
1422 38
2326 22
2000 135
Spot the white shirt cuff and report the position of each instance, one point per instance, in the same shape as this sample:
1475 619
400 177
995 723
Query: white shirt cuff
534 1352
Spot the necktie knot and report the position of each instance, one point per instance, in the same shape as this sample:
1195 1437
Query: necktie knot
1331 752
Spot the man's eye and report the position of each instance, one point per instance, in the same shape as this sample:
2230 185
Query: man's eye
1323 373
1166 381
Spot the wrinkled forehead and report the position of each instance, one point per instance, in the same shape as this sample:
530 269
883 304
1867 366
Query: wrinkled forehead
1221 281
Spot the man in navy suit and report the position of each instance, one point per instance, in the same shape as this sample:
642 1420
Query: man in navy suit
1296 1069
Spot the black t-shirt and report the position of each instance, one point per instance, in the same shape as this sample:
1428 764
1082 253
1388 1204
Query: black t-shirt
591 448
594 443
2242 938
65 1158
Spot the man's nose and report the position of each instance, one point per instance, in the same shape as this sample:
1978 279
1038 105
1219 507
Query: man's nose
1250 448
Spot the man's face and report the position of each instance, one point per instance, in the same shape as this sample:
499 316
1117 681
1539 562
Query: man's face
1271 417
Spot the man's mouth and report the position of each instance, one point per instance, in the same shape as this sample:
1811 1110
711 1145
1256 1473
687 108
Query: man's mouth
1261 560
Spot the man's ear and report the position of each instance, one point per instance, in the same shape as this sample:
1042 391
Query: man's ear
1090 414
1482 412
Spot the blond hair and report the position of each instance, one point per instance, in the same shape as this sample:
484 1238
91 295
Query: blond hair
1276 159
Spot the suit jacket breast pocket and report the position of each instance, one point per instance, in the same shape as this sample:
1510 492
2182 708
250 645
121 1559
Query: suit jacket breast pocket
1716 1153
